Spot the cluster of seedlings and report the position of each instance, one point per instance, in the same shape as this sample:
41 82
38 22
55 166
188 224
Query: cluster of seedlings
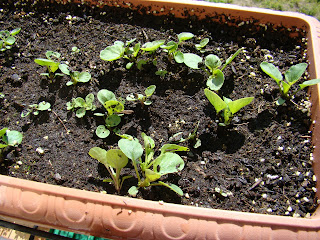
148 167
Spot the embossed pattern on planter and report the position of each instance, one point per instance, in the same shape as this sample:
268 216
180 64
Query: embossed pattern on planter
121 218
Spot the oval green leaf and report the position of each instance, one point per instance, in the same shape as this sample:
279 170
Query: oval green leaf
168 163
102 132
272 71
105 95
295 72
116 158
212 61
215 100
112 53
131 148
113 120
185 36
192 60
84 77
215 81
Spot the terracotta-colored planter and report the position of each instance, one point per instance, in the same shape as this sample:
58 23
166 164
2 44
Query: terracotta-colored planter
121 217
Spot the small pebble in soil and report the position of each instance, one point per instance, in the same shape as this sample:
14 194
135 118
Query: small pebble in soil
40 150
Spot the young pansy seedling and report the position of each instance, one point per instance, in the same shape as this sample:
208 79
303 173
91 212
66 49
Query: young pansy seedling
36 108
153 168
143 99
83 105
172 47
114 110
52 66
226 107
216 78
114 160
292 75
8 139
7 39
75 75
202 44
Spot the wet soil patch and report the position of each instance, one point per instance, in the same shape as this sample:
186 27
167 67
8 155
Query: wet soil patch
260 163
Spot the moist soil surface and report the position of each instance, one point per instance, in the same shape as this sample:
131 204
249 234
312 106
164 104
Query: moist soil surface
260 163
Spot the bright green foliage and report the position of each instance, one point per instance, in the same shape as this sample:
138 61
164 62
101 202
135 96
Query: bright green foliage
114 160
202 44
144 99
216 78
123 50
114 110
35 108
152 168
51 64
7 39
173 52
292 75
9 139
83 105
226 107
75 75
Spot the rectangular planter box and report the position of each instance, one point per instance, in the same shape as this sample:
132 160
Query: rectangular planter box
121 217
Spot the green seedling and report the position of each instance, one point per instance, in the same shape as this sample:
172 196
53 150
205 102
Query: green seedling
115 109
292 75
172 46
75 49
8 139
75 75
213 62
143 99
82 105
190 59
152 168
161 73
7 39
36 108
202 44
123 50
51 64
226 107
114 160
192 137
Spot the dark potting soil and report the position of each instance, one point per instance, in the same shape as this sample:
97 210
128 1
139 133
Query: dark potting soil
260 163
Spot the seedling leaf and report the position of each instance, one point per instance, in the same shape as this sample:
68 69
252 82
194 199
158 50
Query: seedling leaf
102 132
295 72
131 148
236 105
152 46
185 36
192 60
105 95
173 148
173 187
116 158
309 83
150 90
168 163
112 53
215 100
216 80
212 62
272 71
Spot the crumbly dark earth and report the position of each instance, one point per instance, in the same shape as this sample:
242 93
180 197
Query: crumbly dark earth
261 162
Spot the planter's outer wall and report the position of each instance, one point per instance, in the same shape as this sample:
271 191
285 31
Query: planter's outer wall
122 218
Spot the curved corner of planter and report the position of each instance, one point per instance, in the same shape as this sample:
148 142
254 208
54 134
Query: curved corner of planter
120 217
